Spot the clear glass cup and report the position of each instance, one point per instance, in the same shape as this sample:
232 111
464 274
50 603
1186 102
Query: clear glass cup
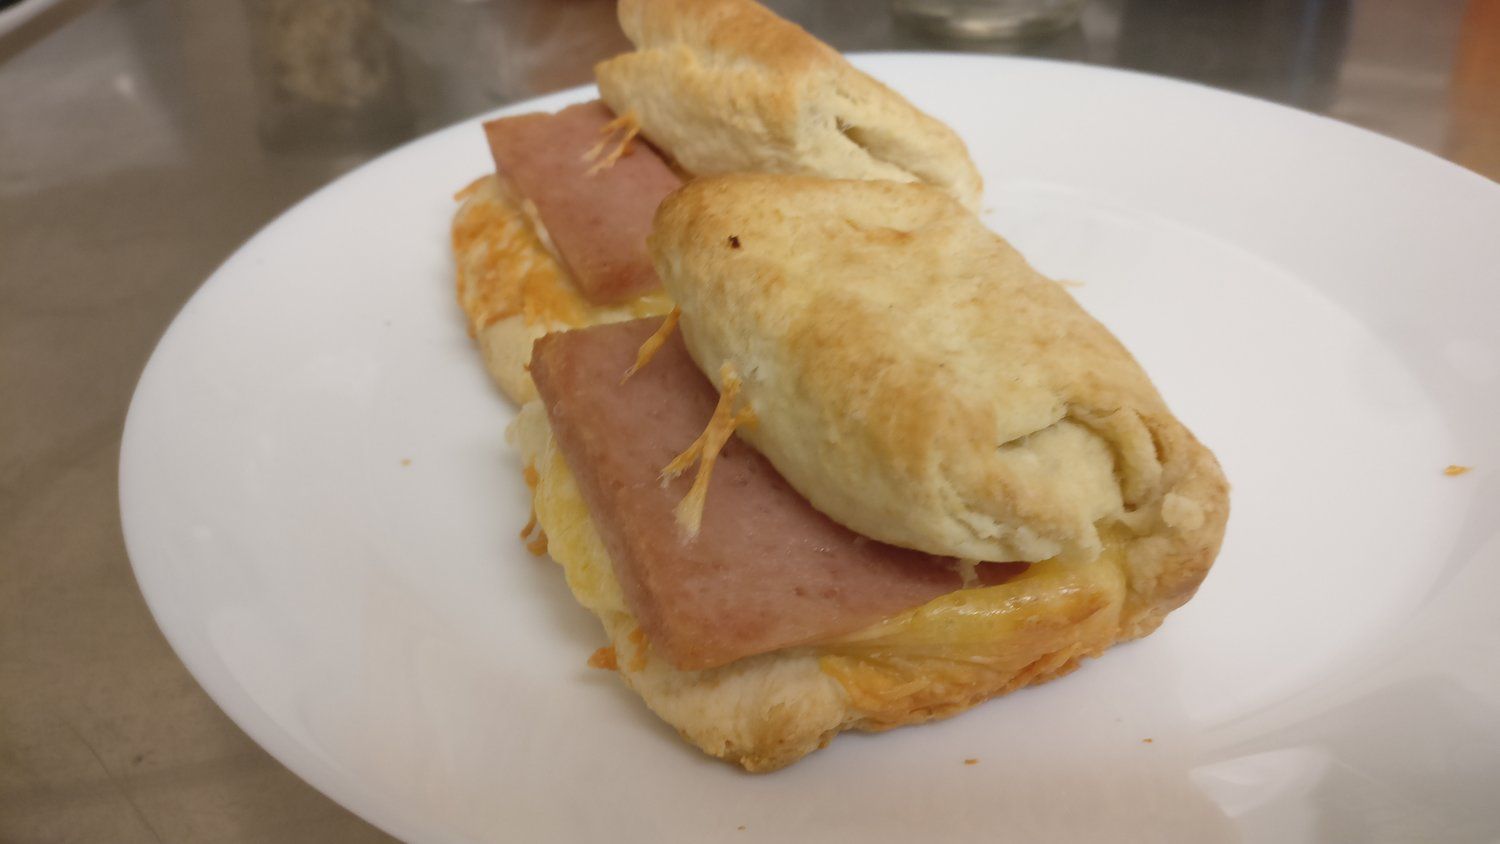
328 77
987 18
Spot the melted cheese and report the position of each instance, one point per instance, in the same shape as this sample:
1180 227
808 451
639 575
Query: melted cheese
573 541
975 643
605 659
506 267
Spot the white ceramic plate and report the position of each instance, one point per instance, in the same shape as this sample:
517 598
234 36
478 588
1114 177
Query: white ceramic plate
1317 302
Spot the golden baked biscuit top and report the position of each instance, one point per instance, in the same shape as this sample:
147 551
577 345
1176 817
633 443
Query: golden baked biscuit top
913 376
726 86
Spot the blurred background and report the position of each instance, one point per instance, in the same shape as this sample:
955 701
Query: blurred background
142 140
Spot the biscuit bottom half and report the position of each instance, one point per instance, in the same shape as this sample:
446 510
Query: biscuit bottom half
767 711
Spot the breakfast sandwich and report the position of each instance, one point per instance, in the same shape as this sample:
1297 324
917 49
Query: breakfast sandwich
555 238
872 470
819 450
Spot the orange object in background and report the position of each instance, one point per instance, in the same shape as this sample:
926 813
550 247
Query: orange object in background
1475 93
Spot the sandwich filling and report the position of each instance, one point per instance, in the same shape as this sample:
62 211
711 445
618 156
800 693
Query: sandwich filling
1022 624
528 258
595 203
765 571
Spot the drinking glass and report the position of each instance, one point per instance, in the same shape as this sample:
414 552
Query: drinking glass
987 18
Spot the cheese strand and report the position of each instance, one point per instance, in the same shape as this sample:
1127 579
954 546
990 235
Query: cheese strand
653 344
705 452
628 127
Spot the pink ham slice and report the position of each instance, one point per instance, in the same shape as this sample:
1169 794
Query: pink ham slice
766 571
597 222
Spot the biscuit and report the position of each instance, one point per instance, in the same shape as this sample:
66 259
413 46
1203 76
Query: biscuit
726 86
917 381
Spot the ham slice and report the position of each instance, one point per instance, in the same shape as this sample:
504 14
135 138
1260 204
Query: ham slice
598 222
766 570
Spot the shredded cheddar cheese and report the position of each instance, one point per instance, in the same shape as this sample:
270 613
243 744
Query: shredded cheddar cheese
604 658
638 656
653 343
1456 470
504 267
470 189
537 543
625 127
538 546
705 451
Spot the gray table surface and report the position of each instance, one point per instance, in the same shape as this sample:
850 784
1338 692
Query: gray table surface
141 141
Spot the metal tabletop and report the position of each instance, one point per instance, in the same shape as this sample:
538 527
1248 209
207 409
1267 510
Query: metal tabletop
141 141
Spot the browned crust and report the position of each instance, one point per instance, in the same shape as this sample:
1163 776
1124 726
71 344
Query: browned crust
727 85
